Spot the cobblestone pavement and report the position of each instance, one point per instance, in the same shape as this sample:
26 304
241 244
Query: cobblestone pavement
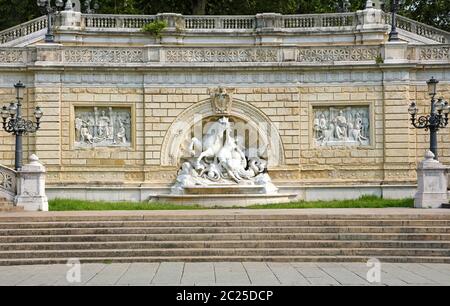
226 273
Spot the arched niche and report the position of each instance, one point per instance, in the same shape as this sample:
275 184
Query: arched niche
182 128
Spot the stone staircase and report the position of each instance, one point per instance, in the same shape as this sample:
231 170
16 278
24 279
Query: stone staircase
195 236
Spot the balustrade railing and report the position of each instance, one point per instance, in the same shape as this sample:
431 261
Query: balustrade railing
8 180
419 28
116 21
298 22
220 22
320 20
23 29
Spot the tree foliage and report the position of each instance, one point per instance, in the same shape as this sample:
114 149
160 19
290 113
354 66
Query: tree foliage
432 12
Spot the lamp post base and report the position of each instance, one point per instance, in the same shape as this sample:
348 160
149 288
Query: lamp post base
432 183
393 36
49 38
31 187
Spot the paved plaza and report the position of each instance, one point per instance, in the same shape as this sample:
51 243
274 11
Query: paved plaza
225 273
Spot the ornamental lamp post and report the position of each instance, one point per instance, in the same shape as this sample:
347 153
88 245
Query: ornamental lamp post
393 35
14 123
437 119
49 10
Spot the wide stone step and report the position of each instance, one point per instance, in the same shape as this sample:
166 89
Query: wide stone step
209 215
221 237
31 238
375 252
387 259
197 230
242 244
229 223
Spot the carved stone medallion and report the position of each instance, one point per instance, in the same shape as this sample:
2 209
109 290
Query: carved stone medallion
221 101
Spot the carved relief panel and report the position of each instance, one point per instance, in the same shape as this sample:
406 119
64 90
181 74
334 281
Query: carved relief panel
341 125
102 127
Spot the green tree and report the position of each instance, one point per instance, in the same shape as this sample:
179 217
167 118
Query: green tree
431 12
15 12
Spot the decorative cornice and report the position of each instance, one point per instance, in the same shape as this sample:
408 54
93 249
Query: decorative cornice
155 56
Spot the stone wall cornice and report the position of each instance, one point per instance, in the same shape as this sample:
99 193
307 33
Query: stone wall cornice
238 67
384 56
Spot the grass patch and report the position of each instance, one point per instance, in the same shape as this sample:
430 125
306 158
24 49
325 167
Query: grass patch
363 202
73 205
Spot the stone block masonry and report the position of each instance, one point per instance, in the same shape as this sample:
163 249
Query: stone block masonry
390 156
334 102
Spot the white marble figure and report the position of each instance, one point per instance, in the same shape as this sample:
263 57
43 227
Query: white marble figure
341 126
219 159
85 135
121 134
104 126
78 126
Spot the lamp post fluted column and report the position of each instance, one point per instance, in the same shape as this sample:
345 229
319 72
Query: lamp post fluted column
46 6
393 34
437 119
13 122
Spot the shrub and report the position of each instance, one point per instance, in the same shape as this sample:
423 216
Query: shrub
155 27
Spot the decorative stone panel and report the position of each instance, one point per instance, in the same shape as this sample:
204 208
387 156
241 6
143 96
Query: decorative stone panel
11 55
336 54
103 55
102 127
189 55
341 125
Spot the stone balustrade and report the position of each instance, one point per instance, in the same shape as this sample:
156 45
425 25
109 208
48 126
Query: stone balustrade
319 20
244 23
8 182
419 28
23 29
115 21
219 22
240 22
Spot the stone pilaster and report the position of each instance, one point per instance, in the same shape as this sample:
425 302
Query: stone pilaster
399 155
47 95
